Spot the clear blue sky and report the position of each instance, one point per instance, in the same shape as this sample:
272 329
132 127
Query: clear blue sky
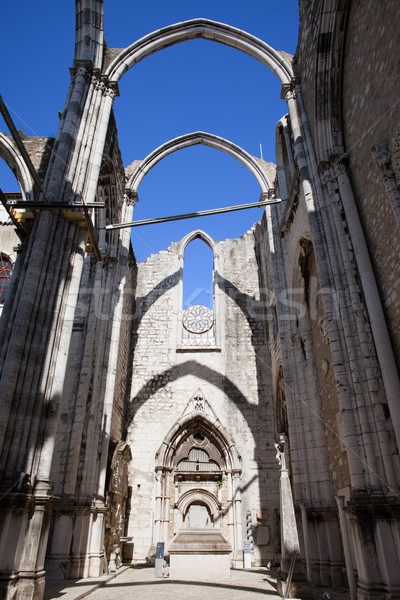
197 85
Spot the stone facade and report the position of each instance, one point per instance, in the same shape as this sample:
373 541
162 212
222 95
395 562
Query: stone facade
127 419
234 378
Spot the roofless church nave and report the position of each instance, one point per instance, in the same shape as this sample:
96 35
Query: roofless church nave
268 421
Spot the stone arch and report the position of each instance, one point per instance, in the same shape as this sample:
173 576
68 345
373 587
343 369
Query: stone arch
206 139
195 29
217 489
210 337
212 427
198 496
194 235
17 165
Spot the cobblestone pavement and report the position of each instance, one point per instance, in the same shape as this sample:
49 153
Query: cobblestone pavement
140 584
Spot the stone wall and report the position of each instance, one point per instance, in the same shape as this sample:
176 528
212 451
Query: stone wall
347 61
371 116
234 378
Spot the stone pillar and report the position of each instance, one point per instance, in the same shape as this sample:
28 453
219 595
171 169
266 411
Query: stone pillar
378 324
347 549
237 512
32 365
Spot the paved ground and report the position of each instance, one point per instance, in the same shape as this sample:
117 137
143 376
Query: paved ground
254 584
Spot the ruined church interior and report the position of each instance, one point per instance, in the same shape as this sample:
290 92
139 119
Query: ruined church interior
265 425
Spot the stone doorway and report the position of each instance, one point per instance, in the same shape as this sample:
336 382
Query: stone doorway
198 478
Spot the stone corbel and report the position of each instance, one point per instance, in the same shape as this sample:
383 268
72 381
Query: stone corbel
130 197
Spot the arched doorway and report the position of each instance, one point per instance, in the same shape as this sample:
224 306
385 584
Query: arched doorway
197 474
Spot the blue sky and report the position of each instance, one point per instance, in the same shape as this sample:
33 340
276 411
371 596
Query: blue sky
197 85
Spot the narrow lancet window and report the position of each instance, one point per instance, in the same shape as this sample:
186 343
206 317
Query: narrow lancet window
198 319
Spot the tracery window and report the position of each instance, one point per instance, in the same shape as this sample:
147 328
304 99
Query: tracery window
6 267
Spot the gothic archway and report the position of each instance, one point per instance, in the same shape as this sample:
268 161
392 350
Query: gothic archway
102 90
197 475
194 29
17 165
206 139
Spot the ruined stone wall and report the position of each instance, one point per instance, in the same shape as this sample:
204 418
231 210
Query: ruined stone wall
234 378
248 365
39 149
367 107
371 116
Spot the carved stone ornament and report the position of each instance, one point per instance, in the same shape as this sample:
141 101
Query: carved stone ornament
198 319
198 403
290 95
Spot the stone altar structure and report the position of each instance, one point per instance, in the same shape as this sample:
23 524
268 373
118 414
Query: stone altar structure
103 373
197 553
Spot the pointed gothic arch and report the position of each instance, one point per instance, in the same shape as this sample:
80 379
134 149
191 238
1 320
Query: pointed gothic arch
209 487
195 29
17 165
209 337
205 139
211 425
194 235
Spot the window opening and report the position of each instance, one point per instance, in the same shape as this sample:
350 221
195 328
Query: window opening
5 276
198 275
198 326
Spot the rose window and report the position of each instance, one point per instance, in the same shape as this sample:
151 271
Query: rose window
198 319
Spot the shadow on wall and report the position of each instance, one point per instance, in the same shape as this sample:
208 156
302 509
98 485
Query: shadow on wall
255 315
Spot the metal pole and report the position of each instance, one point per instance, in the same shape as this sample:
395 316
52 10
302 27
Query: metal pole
200 213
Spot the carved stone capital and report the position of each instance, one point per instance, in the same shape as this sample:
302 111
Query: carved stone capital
94 79
339 168
290 95
100 86
83 70
110 91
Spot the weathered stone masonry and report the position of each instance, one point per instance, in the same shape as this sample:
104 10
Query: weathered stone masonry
121 422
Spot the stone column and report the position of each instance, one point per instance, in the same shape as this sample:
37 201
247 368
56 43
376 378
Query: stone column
289 537
378 324
347 549
66 137
237 512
